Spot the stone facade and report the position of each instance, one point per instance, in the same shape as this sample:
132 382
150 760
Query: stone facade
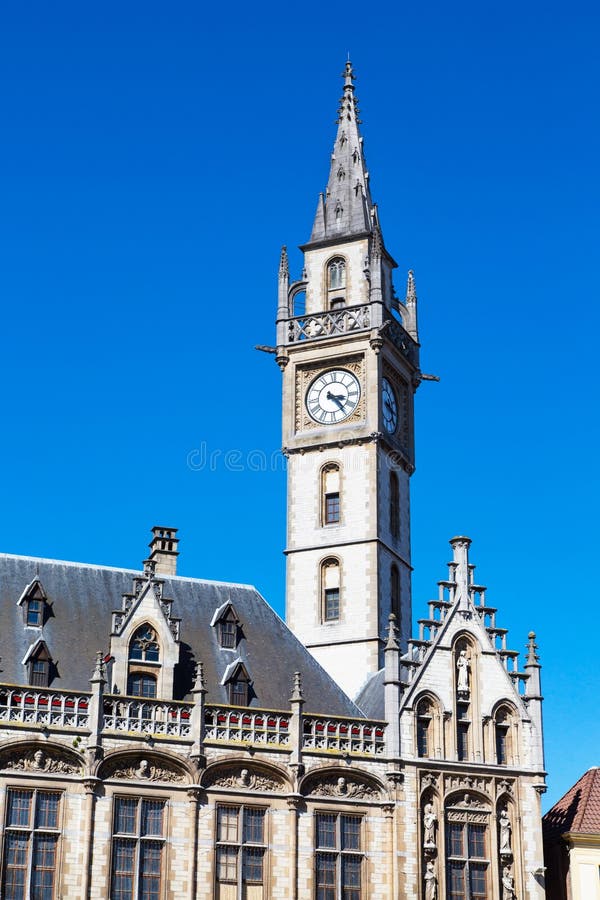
209 755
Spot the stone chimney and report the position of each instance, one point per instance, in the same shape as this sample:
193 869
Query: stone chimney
163 550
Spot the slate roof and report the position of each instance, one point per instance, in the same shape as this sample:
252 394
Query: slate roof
579 810
371 697
82 598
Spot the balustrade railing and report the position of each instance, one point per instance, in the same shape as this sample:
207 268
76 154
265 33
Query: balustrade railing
354 736
247 726
30 706
122 715
327 324
139 715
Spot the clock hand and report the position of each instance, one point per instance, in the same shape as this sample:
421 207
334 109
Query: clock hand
339 400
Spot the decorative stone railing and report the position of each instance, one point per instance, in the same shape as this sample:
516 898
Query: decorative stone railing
123 716
403 341
355 736
328 324
31 706
138 715
228 724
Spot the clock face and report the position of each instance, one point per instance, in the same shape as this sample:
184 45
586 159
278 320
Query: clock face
389 406
333 396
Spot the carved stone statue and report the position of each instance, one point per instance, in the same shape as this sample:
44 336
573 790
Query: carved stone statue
462 664
508 885
430 882
505 832
429 823
39 760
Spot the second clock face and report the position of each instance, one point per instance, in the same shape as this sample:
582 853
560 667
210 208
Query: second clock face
389 406
333 396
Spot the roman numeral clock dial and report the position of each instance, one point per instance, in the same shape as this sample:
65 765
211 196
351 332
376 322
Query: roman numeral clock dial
333 396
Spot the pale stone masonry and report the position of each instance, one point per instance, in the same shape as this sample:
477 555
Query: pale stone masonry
168 738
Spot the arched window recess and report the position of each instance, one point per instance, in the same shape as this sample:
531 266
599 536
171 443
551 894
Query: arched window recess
336 274
144 645
330 590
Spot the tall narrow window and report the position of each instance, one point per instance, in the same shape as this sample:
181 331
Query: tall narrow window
339 859
30 845
240 852
138 849
462 731
330 588
424 728
467 860
394 505
336 274
395 593
35 611
330 494
502 721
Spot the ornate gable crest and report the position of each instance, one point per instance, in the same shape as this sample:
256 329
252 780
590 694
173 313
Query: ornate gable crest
142 586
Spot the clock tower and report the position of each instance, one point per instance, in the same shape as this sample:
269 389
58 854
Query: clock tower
349 352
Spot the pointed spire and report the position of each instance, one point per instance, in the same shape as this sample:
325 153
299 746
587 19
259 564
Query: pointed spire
284 268
411 306
346 208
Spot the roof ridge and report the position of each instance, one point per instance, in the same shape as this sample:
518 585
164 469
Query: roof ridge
125 571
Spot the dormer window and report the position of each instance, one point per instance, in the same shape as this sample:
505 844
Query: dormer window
144 645
227 624
34 612
39 664
238 683
35 604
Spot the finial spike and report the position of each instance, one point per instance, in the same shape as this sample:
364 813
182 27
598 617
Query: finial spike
199 683
284 268
392 642
532 656
297 687
99 668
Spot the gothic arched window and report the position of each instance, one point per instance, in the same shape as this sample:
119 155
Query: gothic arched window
336 274
330 590
424 727
144 645
503 720
394 505
330 494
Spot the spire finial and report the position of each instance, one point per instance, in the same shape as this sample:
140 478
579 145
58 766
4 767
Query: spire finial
284 268
532 657
348 75
199 684
99 668
392 643
297 687
411 291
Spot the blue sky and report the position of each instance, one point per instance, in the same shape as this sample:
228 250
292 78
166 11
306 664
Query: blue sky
153 160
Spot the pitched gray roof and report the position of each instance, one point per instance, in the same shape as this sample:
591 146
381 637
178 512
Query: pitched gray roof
371 696
82 598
